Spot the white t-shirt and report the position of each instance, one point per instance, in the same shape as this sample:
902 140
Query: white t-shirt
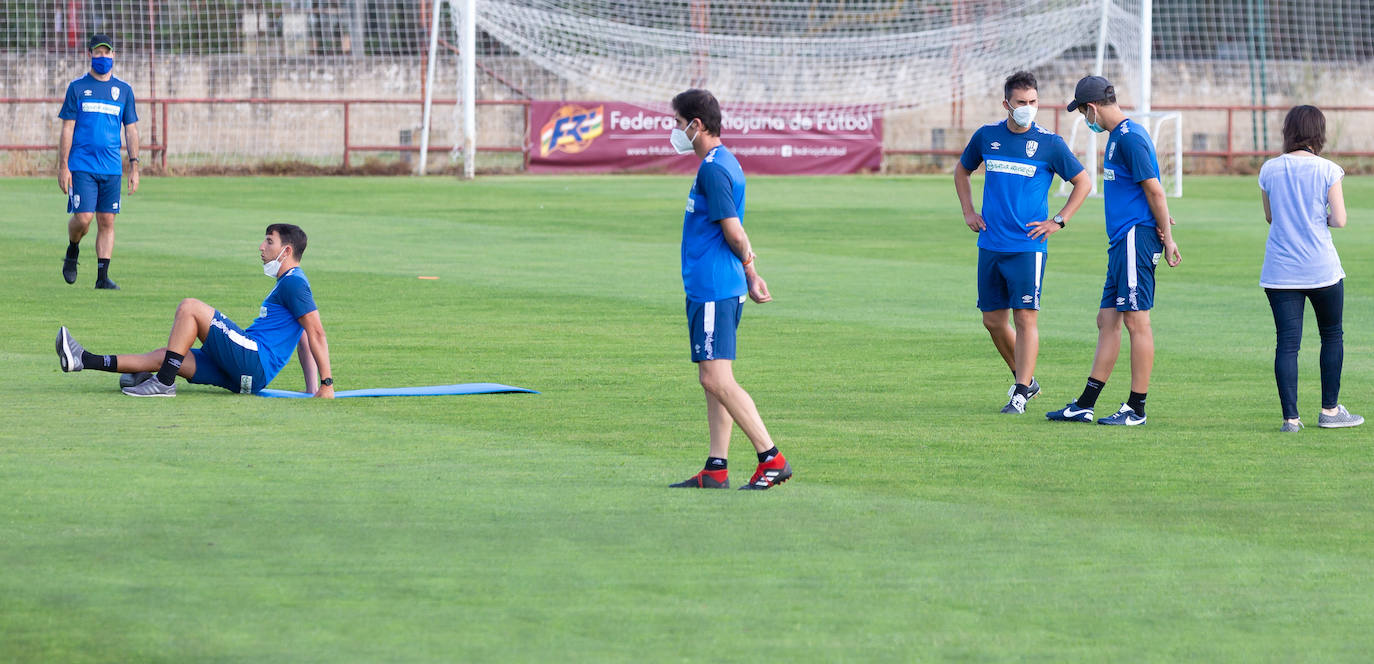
1299 253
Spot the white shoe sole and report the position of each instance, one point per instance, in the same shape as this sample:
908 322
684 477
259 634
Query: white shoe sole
64 347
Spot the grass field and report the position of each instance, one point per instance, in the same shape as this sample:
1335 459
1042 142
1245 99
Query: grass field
921 525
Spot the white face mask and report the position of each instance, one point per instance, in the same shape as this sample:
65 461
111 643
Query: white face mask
681 142
272 267
1023 116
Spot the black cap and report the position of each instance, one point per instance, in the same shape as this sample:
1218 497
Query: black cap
1090 90
100 40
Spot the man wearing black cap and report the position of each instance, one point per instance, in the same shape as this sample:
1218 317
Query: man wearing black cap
89 165
1138 233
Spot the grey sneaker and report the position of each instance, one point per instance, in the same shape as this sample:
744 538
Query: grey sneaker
132 379
1342 418
1034 389
68 351
1016 406
1291 427
151 388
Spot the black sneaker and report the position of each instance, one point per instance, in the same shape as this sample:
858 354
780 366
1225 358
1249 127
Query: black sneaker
706 479
69 270
771 473
106 284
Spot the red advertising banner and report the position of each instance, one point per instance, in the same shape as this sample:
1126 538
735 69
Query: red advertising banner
604 137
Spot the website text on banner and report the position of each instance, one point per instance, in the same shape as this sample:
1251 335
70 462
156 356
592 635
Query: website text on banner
603 137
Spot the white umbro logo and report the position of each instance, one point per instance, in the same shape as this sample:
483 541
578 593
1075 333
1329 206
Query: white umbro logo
1120 301
996 145
1026 298
85 93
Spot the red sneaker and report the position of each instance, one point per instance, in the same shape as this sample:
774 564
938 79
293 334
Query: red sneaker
707 479
770 473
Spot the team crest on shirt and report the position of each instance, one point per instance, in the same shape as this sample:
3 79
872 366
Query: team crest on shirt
1031 147
570 130
1111 150
114 94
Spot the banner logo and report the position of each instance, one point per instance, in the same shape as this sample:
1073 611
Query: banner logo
570 130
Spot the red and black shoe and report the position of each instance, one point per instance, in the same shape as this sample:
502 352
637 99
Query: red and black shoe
769 474
707 479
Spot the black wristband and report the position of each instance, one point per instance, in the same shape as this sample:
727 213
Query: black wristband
328 382
133 160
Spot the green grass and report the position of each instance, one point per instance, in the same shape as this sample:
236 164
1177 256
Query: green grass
921 525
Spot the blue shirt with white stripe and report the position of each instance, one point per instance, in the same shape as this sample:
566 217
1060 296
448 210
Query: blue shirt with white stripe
710 269
100 109
1130 160
1020 169
277 329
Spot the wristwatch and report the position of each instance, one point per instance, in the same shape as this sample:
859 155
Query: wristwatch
1059 219
328 382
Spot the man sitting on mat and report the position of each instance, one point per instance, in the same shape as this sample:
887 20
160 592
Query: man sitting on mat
238 360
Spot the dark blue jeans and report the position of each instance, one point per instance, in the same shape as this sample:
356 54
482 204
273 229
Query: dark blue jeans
1327 304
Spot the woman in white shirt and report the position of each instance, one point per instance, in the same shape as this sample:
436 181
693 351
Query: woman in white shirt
1302 203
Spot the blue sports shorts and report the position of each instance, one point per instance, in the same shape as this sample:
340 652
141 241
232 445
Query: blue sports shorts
1009 280
229 358
92 192
712 326
1131 270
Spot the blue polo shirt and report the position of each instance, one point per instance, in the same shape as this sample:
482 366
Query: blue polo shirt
1130 160
100 109
710 269
277 328
1020 169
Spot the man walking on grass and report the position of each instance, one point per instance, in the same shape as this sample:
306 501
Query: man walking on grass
96 107
718 270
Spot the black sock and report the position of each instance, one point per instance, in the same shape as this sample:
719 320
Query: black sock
73 250
1090 393
90 360
102 266
716 463
170 364
765 457
1137 403
1023 390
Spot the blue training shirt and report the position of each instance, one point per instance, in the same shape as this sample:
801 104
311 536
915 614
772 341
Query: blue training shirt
277 328
1020 169
100 109
710 269
1130 160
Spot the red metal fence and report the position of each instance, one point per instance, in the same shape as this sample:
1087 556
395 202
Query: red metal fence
157 143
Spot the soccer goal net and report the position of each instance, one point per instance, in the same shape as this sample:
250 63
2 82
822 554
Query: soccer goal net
231 83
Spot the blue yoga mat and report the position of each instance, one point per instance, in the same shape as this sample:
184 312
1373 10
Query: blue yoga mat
421 391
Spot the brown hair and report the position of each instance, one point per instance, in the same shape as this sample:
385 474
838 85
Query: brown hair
1304 127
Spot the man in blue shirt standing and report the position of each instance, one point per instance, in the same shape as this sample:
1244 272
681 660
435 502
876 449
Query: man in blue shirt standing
1021 159
1138 233
718 270
238 360
97 106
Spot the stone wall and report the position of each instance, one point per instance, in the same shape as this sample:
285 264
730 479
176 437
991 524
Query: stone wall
210 134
